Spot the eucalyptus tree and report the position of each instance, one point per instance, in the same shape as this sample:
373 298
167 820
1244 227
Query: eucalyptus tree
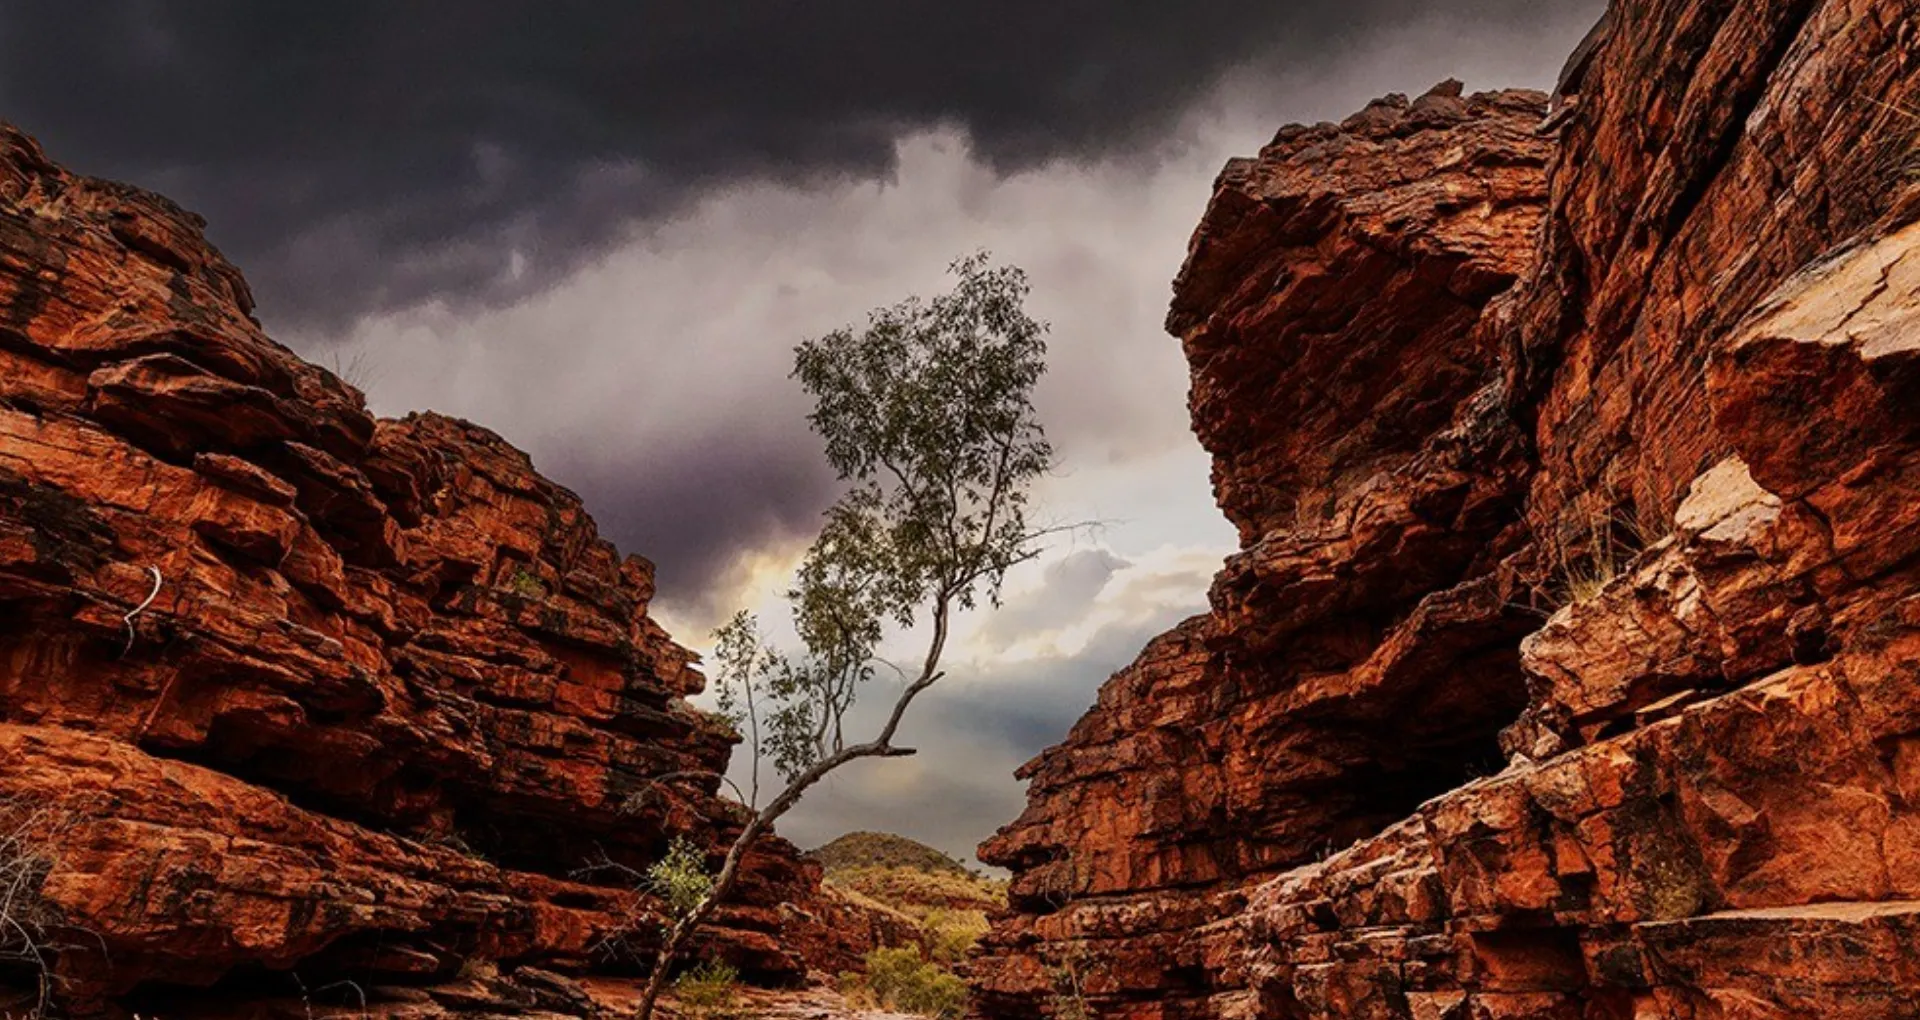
927 416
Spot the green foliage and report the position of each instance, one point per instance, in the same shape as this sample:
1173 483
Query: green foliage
928 414
526 584
680 879
929 411
947 901
853 987
746 666
951 934
903 978
803 703
899 979
710 990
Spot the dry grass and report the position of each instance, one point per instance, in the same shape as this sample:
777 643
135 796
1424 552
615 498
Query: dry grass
914 893
1596 542
358 371
28 835
1912 116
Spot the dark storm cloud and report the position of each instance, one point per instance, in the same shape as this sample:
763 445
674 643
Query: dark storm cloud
702 509
360 155
599 228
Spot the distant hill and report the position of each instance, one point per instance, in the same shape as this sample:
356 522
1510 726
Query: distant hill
946 898
939 904
883 850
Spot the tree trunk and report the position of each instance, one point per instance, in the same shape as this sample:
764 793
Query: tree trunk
729 876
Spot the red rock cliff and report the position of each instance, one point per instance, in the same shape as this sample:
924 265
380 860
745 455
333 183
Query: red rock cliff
1569 665
391 692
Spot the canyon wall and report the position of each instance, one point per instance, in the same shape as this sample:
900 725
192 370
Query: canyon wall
1568 666
299 705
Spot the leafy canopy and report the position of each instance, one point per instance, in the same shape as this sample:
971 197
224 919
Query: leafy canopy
927 414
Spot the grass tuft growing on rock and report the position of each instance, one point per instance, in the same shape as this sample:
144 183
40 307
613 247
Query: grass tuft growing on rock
1597 544
526 584
710 991
1911 156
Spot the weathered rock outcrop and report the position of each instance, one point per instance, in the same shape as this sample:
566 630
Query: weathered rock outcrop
292 698
1567 669
1249 740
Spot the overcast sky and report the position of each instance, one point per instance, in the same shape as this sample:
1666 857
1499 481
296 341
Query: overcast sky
600 227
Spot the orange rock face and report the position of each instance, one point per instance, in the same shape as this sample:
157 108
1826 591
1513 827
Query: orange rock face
294 698
1569 665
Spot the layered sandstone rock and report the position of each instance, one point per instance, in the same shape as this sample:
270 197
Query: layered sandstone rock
1322 698
1650 514
293 698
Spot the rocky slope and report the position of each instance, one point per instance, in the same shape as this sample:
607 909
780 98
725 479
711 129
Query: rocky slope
293 699
1568 667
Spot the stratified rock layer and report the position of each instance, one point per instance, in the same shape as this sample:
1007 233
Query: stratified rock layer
1322 699
295 698
1569 665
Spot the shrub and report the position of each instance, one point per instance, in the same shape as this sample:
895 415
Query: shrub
26 921
900 979
711 990
854 988
951 933
526 584
680 878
